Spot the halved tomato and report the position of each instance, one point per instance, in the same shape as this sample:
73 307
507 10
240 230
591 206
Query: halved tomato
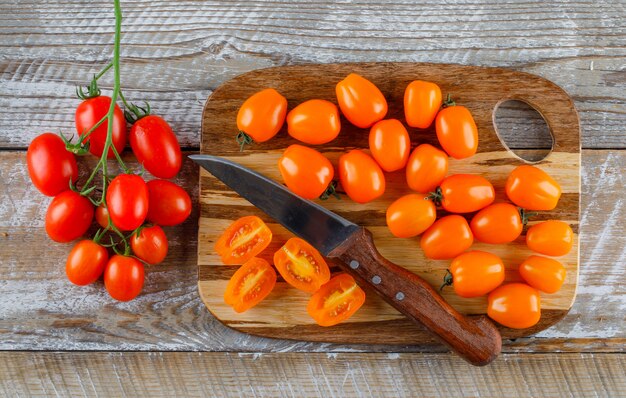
243 239
336 301
301 265
250 284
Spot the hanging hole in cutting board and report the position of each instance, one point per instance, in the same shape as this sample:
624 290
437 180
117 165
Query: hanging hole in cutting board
522 130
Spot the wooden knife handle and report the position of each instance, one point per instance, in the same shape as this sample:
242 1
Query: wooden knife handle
475 339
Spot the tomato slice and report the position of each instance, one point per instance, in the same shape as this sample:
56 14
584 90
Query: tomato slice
250 284
243 239
301 265
336 301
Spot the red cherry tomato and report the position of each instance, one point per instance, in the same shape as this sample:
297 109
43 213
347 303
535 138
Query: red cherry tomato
262 115
69 216
50 166
476 273
336 301
426 168
515 305
422 101
123 277
243 239
306 171
457 132
250 284
465 193
314 122
301 265
88 113
360 176
169 203
543 273
410 215
532 188
390 144
447 238
360 101
86 262
102 216
127 201
156 147
552 238
497 223
149 244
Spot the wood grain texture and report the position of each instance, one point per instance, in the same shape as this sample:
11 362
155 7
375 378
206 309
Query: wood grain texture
481 90
175 53
313 375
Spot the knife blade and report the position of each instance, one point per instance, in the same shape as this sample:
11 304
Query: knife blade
475 339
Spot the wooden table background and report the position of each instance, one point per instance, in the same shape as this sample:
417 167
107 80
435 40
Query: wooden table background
59 339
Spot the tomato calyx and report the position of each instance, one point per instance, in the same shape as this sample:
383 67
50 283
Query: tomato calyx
436 196
132 112
447 280
330 191
80 148
525 215
243 139
92 89
448 102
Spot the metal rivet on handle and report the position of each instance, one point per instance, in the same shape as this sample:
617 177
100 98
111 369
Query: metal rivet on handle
376 280
354 264
399 296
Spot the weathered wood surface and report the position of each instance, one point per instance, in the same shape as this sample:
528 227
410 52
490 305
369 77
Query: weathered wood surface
176 52
296 375
41 310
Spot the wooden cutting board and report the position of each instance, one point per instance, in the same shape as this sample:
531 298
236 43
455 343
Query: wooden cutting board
283 314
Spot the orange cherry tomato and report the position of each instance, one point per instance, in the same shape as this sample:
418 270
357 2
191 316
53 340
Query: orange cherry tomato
447 238
552 238
306 171
532 188
422 101
497 223
150 244
543 273
252 282
336 301
457 132
361 102
314 122
301 265
242 240
410 215
426 168
390 144
360 176
475 273
465 193
261 116
515 305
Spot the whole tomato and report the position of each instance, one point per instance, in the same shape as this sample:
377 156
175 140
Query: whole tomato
390 144
127 201
475 273
464 193
532 188
169 204
50 166
68 217
515 305
360 101
497 223
261 116
155 146
410 215
306 171
123 277
360 176
149 244
422 101
86 262
552 238
426 168
102 216
456 131
88 113
447 238
314 122
543 273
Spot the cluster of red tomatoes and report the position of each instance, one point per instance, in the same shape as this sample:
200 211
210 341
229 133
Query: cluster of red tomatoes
129 209
310 174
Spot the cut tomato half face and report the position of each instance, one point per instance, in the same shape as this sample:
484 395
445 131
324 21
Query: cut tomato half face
336 301
301 265
250 284
242 240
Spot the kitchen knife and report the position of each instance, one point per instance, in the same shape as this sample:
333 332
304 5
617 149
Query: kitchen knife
475 339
